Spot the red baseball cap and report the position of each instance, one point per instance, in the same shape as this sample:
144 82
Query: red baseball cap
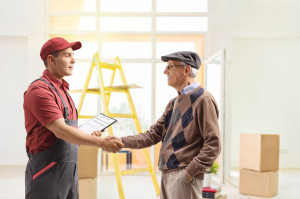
55 44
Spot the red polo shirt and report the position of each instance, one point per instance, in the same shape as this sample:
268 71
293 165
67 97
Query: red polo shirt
43 105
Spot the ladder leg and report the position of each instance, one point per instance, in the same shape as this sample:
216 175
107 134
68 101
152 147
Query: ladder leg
118 175
152 173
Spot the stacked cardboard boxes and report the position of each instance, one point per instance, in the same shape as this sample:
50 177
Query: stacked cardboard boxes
87 172
259 164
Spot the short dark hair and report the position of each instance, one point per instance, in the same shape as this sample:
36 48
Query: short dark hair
55 54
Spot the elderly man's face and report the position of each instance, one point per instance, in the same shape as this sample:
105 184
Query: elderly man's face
175 73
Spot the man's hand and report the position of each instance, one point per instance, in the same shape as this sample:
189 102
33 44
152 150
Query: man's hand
112 144
189 177
113 137
97 133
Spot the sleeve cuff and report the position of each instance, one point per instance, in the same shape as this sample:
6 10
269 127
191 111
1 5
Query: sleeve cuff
127 142
191 169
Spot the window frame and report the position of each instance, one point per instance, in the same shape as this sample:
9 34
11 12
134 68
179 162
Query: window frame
153 33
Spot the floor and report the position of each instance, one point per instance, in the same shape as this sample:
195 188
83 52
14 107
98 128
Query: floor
135 186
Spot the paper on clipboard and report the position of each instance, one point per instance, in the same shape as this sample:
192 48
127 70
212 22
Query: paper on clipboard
99 122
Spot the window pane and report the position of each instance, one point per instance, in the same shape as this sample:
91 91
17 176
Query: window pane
164 48
186 24
77 79
181 5
126 49
171 43
72 6
125 24
72 38
164 93
125 6
213 80
87 50
89 106
72 23
141 97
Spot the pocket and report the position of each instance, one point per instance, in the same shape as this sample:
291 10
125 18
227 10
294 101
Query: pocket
43 170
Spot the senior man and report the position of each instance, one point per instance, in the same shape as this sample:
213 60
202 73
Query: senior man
188 130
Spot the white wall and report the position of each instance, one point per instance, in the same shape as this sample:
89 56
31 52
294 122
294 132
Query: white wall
262 42
22 32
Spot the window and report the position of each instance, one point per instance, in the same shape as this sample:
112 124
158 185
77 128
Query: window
139 32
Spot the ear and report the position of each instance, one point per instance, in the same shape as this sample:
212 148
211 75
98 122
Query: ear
50 59
187 70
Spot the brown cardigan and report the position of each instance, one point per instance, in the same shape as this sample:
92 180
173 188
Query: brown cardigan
189 132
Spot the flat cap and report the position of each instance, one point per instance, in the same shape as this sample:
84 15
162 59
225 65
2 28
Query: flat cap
188 57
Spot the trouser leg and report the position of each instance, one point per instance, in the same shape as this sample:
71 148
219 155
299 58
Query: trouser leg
163 188
69 181
74 193
176 186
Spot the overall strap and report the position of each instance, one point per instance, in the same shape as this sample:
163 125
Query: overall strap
73 104
66 110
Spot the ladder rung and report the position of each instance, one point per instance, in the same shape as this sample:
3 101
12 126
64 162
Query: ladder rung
131 171
121 88
121 115
85 116
90 90
108 66
110 89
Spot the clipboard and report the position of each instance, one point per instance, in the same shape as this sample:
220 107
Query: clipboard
99 122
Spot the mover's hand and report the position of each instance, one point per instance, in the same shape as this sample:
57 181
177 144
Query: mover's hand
112 145
97 133
113 137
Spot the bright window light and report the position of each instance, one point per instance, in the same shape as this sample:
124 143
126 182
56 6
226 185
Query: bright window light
89 5
140 74
125 6
89 106
164 93
78 78
181 5
87 23
128 24
72 6
213 81
126 49
164 48
186 24
87 50
63 23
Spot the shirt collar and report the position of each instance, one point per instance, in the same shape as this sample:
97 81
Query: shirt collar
57 84
189 88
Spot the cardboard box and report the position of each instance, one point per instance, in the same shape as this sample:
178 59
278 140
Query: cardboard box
87 162
88 188
257 183
259 152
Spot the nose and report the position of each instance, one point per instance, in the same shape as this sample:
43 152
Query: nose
165 71
73 60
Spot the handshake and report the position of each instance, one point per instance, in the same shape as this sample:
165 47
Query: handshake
111 144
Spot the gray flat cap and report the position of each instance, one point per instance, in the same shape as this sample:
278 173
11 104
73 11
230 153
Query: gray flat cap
188 57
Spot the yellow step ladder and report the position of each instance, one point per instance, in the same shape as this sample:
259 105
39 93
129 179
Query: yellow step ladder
105 93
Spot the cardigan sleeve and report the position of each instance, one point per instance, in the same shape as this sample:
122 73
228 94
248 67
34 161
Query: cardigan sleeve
150 137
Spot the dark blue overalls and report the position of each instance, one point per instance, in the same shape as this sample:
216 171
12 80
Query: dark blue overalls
53 172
